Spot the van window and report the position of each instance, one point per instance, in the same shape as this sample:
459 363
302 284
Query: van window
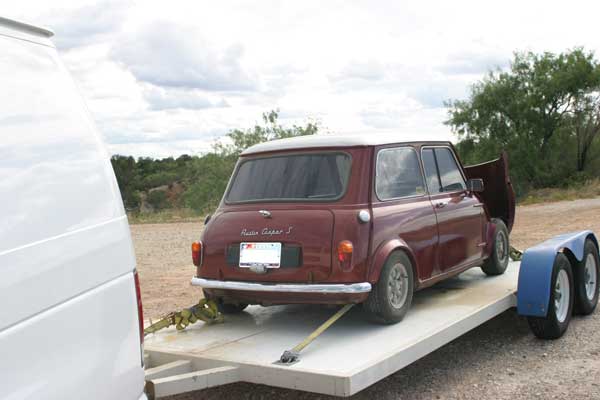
398 174
294 177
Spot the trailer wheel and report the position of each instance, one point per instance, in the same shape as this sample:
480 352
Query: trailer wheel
392 295
226 308
560 306
586 280
498 261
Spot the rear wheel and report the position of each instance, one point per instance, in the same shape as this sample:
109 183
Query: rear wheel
391 296
226 308
498 261
560 306
586 280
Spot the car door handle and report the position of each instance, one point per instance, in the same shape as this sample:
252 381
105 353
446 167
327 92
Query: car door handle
478 205
441 204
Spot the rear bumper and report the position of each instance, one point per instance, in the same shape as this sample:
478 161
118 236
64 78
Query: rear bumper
318 288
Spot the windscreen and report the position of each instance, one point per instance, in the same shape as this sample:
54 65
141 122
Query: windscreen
297 177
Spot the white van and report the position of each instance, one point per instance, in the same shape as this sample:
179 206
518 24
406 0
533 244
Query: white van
70 309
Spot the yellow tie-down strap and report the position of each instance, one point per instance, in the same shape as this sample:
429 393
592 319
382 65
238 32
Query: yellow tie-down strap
205 310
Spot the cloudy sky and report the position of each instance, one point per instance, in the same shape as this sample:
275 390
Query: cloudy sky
170 77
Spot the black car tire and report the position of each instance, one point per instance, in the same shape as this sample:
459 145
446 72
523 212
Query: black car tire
584 305
550 326
498 261
226 308
391 296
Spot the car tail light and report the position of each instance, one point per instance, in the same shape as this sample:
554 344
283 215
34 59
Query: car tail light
344 251
138 295
197 253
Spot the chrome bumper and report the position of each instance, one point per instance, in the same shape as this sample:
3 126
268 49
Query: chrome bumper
334 288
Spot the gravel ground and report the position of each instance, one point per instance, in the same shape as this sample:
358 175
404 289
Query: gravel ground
498 360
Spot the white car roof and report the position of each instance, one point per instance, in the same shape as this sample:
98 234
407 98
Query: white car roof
329 140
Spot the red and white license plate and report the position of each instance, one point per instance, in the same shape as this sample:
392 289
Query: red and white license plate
260 254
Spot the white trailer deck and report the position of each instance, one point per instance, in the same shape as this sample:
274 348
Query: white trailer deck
350 356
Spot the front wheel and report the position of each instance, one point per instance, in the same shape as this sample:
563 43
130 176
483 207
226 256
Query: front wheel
392 295
560 306
498 261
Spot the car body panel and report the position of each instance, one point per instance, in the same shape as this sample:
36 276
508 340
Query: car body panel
440 242
498 195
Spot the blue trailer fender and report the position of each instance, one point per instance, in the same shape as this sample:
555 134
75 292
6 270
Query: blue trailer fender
535 273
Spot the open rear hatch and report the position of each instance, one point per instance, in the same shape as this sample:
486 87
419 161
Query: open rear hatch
498 195
302 238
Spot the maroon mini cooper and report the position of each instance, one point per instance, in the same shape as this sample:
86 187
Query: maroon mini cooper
348 219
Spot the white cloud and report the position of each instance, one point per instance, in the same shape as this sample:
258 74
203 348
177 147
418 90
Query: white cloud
166 54
166 98
164 78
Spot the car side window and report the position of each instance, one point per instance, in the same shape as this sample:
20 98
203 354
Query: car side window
450 176
431 173
398 174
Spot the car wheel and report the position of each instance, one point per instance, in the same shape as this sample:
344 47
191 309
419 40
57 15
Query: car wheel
586 276
226 308
560 306
392 295
498 261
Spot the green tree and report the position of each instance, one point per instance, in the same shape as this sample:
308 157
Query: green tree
532 110
208 175
158 199
241 139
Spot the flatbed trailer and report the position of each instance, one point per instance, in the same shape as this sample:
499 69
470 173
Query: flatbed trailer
352 354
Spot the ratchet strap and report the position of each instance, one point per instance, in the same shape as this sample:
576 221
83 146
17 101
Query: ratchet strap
514 254
292 356
205 310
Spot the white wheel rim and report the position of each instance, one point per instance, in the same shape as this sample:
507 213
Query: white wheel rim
562 294
501 246
590 276
398 285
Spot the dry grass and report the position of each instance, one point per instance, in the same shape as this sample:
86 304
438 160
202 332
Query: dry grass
587 190
166 216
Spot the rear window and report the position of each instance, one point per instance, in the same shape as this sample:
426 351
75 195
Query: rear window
297 177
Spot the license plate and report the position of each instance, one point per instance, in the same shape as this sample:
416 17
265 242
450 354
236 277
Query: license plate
261 254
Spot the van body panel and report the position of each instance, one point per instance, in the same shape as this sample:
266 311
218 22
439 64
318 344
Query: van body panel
44 274
85 348
69 326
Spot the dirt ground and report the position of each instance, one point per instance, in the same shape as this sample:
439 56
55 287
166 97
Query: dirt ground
498 360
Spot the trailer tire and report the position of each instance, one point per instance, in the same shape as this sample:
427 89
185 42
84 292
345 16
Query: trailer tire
557 319
391 296
226 308
497 262
586 275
